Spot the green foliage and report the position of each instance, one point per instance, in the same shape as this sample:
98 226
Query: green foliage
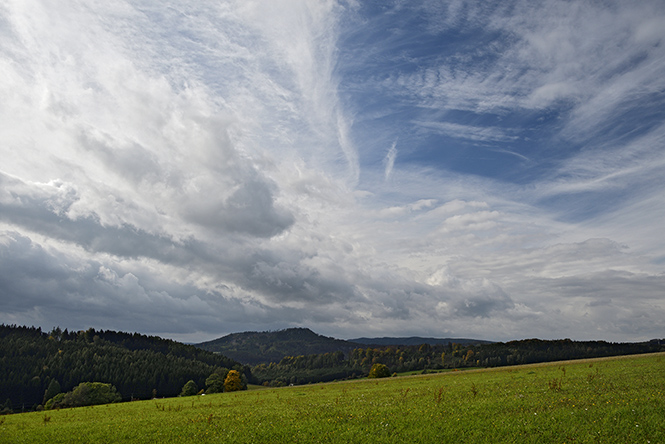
52 390
55 402
215 382
271 346
145 367
623 403
304 369
233 382
379 371
138 366
424 358
86 393
6 408
189 389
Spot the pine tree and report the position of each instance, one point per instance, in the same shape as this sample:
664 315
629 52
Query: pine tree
52 390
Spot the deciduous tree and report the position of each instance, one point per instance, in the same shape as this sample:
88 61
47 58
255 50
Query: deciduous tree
379 371
189 389
234 382
215 382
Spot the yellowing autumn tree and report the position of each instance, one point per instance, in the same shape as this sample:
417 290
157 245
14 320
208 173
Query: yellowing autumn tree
379 371
234 382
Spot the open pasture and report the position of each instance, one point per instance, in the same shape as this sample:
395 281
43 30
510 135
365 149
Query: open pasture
611 400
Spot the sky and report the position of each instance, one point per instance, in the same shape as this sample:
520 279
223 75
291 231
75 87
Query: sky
471 169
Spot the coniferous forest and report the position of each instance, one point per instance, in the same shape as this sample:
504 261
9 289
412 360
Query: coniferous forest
35 365
138 366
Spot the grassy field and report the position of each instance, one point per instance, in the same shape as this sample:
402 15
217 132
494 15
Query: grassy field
612 400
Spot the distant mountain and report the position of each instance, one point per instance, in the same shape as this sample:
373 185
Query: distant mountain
271 346
416 340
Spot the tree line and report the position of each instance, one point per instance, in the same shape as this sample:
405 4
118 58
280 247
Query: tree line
138 366
407 358
35 366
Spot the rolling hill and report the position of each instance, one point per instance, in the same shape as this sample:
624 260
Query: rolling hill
139 366
271 346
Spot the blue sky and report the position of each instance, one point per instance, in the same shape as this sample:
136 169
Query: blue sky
465 169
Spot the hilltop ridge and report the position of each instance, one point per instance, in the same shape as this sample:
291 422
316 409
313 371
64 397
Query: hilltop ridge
271 346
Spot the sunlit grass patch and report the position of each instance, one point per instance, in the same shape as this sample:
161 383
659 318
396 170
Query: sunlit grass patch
610 400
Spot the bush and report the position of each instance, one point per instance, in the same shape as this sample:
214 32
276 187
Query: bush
6 409
215 382
379 371
52 390
86 393
55 402
189 389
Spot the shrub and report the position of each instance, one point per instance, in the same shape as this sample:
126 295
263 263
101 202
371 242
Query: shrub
52 390
55 402
215 382
6 408
189 389
379 371
86 393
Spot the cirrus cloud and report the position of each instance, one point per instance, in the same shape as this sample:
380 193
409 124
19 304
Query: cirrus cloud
196 168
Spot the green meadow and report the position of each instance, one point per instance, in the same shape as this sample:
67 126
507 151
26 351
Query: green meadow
611 400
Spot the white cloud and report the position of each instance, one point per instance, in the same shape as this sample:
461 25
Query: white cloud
475 133
586 54
389 160
193 169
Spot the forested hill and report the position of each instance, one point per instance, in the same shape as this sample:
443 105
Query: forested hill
271 346
254 348
417 340
138 366
424 358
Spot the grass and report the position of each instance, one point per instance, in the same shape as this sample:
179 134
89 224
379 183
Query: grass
432 371
612 400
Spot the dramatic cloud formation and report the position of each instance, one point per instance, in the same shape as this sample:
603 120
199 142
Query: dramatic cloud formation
471 169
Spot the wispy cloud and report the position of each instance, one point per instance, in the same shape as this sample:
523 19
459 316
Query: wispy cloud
475 133
196 168
390 160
